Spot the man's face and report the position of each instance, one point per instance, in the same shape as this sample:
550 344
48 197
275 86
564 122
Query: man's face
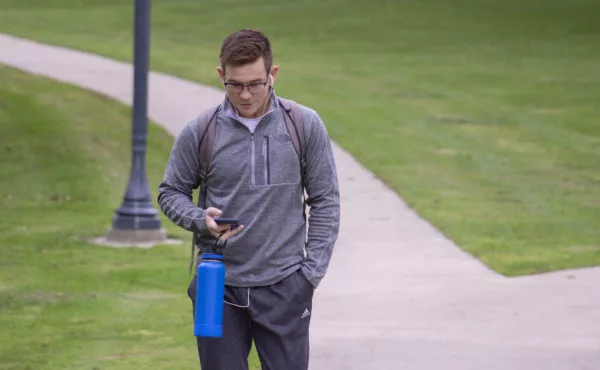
251 101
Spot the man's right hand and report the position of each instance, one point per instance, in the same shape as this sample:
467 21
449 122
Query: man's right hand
221 232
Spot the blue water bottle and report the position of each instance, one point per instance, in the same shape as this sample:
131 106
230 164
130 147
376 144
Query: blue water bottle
208 319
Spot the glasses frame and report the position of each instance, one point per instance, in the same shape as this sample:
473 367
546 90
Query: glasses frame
230 85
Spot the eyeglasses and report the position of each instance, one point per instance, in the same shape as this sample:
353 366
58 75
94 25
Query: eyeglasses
253 87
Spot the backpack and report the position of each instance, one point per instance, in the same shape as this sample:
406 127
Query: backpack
207 130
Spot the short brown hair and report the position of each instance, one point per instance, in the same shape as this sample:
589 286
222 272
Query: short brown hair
244 47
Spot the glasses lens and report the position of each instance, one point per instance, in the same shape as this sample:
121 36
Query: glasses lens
234 88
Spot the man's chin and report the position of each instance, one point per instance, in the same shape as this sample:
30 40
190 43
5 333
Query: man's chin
248 111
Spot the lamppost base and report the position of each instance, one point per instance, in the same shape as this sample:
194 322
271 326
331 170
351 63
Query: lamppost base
135 237
128 238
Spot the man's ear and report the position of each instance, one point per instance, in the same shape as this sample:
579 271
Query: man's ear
273 76
221 73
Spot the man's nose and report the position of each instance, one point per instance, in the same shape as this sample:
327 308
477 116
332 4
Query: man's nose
245 94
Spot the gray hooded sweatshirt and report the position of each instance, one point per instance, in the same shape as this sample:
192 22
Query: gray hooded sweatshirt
255 177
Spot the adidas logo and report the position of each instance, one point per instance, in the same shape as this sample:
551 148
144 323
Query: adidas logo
305 314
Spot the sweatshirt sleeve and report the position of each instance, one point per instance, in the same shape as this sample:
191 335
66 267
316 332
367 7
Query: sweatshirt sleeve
180 179
324 200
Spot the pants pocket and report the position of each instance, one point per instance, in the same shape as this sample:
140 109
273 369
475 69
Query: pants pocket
303 284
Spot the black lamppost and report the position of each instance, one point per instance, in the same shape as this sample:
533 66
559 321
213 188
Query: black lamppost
137 219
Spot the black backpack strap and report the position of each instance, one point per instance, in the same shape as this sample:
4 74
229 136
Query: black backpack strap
295 126
207 130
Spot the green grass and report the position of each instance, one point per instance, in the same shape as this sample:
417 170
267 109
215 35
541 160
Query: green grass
64 303
482 115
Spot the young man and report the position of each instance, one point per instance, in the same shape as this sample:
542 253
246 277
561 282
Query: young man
256 175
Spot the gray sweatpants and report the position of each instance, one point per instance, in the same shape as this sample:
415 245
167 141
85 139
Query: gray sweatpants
276 317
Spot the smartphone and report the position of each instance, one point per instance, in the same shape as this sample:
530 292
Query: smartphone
234 223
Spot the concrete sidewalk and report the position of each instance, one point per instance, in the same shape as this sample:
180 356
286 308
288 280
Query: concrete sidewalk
398 295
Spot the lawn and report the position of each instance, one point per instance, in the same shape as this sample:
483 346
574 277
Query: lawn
482 115
64 168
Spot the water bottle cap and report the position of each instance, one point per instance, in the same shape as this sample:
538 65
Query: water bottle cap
212 256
